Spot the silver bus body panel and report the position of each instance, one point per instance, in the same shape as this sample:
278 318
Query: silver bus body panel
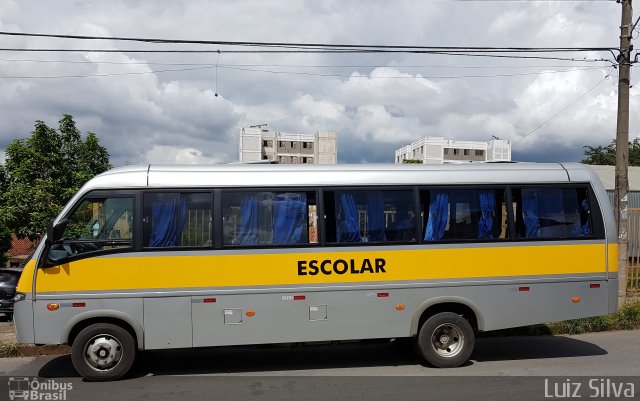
54 327
177 321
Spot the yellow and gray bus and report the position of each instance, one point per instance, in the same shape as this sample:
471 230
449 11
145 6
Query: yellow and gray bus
156 257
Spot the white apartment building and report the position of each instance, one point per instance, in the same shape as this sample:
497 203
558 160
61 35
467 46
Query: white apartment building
258 144
437 150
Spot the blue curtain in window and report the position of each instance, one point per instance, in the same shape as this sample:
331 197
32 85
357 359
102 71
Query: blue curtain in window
487 210
582 227
289 218
375 216
168 216
585 212
551 205
248 229
438 216
348 228
530 213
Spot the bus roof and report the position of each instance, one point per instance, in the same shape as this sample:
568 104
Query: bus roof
279 175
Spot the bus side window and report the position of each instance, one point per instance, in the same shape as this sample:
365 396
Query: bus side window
552 212
173 219
253 218
97 225
376 216
463 214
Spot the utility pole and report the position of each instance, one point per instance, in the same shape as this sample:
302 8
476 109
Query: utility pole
622 147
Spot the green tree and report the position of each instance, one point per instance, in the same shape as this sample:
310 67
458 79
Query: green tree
606 155
43 172
5 233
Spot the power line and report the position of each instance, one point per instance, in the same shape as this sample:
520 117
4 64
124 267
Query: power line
290 65
316 46
561 111
412 77
191 51
229 67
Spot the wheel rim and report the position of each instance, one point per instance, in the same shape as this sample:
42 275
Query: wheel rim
447 340
103 352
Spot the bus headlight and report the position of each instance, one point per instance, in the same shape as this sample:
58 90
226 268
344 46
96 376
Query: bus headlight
20 296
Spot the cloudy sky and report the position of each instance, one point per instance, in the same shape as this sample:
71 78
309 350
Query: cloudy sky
162 108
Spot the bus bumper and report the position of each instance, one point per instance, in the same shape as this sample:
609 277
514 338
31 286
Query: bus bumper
23 320
613 295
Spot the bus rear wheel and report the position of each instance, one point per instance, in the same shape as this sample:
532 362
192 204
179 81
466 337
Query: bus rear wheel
103 352
446 340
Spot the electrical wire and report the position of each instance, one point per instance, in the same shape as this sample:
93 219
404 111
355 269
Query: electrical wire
214 66
288 65
411 77
561 111
316 46
503 56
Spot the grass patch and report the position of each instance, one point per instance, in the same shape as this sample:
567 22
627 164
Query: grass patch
627 318
9 351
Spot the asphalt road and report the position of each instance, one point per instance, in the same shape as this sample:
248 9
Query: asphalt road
598 365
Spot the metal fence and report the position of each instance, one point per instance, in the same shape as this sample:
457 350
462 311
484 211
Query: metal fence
633 266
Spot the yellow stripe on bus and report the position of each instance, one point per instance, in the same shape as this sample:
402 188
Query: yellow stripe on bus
613 258
26 277
131 273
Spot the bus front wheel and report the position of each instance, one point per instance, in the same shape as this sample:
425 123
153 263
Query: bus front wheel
103 351
446 340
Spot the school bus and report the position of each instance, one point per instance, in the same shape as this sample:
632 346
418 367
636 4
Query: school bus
156 257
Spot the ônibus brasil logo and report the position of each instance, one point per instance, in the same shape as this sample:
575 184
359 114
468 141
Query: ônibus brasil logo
30 388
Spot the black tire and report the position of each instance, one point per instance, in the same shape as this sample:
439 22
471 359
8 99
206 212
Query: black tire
446 340
103 352
9 316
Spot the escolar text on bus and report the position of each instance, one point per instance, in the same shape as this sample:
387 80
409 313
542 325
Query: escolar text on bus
341 266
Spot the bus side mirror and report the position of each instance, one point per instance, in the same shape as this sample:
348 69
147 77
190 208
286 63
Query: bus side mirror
56 257
55 231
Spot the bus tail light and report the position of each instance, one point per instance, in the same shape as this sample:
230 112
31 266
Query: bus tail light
78 305
594 285
383 295
523 289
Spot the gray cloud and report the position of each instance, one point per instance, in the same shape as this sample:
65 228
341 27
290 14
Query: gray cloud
376 103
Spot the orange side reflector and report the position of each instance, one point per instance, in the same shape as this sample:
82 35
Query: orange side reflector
53 306
399 307
575 299
251 313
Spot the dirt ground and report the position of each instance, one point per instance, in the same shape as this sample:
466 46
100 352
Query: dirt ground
7 331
